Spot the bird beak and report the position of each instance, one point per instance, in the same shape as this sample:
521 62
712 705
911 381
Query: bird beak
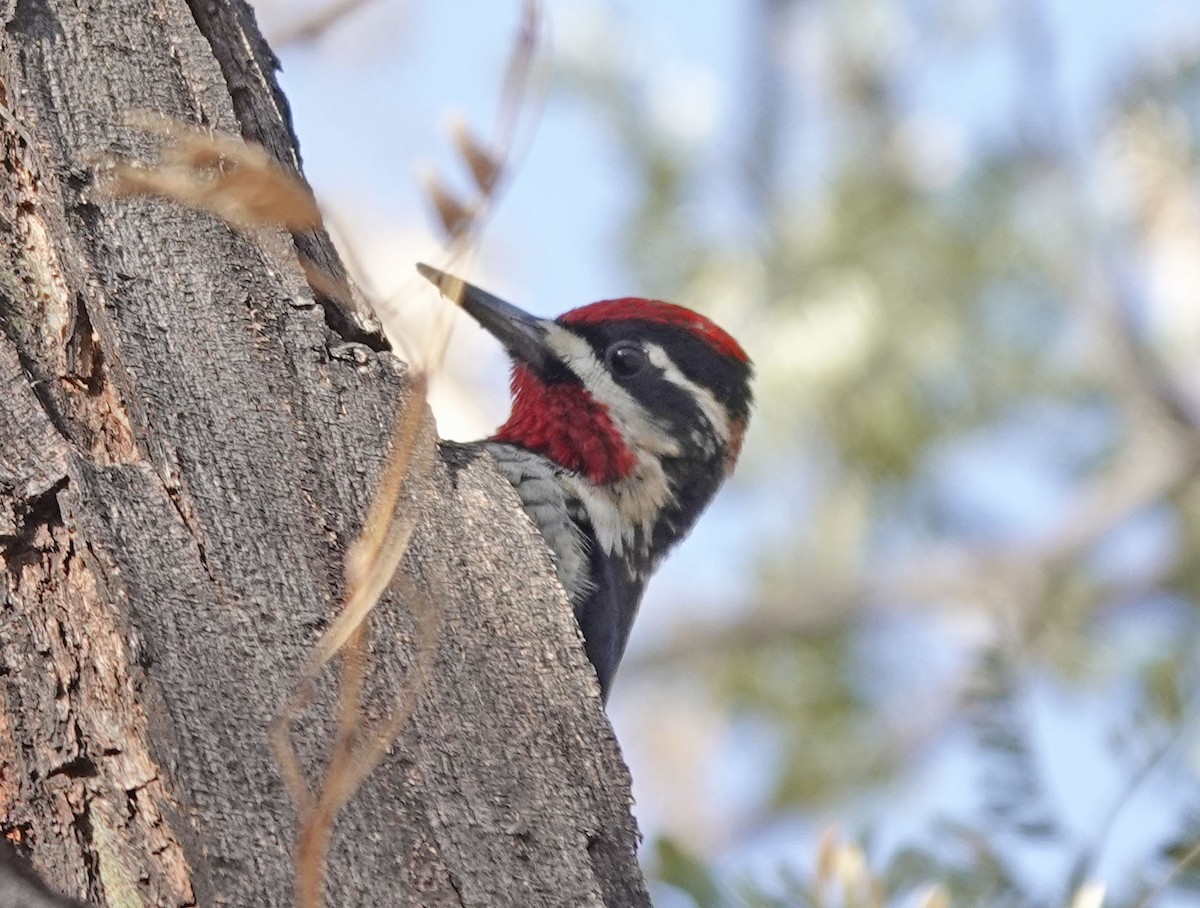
523 335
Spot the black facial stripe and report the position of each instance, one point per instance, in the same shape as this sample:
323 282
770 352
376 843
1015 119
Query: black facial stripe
661 397
552 372
726 378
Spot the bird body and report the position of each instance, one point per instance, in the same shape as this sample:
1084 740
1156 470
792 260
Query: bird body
627 415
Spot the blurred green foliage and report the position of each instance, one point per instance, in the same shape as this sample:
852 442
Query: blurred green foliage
911 308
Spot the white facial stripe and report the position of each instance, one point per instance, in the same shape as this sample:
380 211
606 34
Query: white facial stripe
636 425
716 414
624 511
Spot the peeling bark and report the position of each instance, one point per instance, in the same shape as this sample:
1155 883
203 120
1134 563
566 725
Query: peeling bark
185 453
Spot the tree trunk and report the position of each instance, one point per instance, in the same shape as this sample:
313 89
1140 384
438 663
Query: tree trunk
188 444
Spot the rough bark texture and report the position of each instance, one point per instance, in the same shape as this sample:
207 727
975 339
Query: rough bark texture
187 444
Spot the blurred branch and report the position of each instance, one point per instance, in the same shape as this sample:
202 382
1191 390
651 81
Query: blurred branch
1039 102
1087 866
769 92
1143 382
1093 285
314 27
1011 579
1190 859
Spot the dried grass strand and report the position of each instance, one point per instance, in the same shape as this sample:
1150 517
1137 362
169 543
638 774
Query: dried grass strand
372 562
237 181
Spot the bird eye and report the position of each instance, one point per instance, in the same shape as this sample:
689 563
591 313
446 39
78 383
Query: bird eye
626 360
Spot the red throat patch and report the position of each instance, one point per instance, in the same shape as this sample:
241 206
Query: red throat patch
564 423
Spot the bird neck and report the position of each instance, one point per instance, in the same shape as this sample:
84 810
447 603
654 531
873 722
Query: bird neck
563 422
640 518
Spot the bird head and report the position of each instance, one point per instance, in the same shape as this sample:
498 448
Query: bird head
644 398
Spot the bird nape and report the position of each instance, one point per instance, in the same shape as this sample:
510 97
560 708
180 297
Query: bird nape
627 415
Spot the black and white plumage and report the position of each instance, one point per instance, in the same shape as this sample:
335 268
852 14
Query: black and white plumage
627 416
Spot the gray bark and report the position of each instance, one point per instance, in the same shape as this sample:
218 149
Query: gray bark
188 442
